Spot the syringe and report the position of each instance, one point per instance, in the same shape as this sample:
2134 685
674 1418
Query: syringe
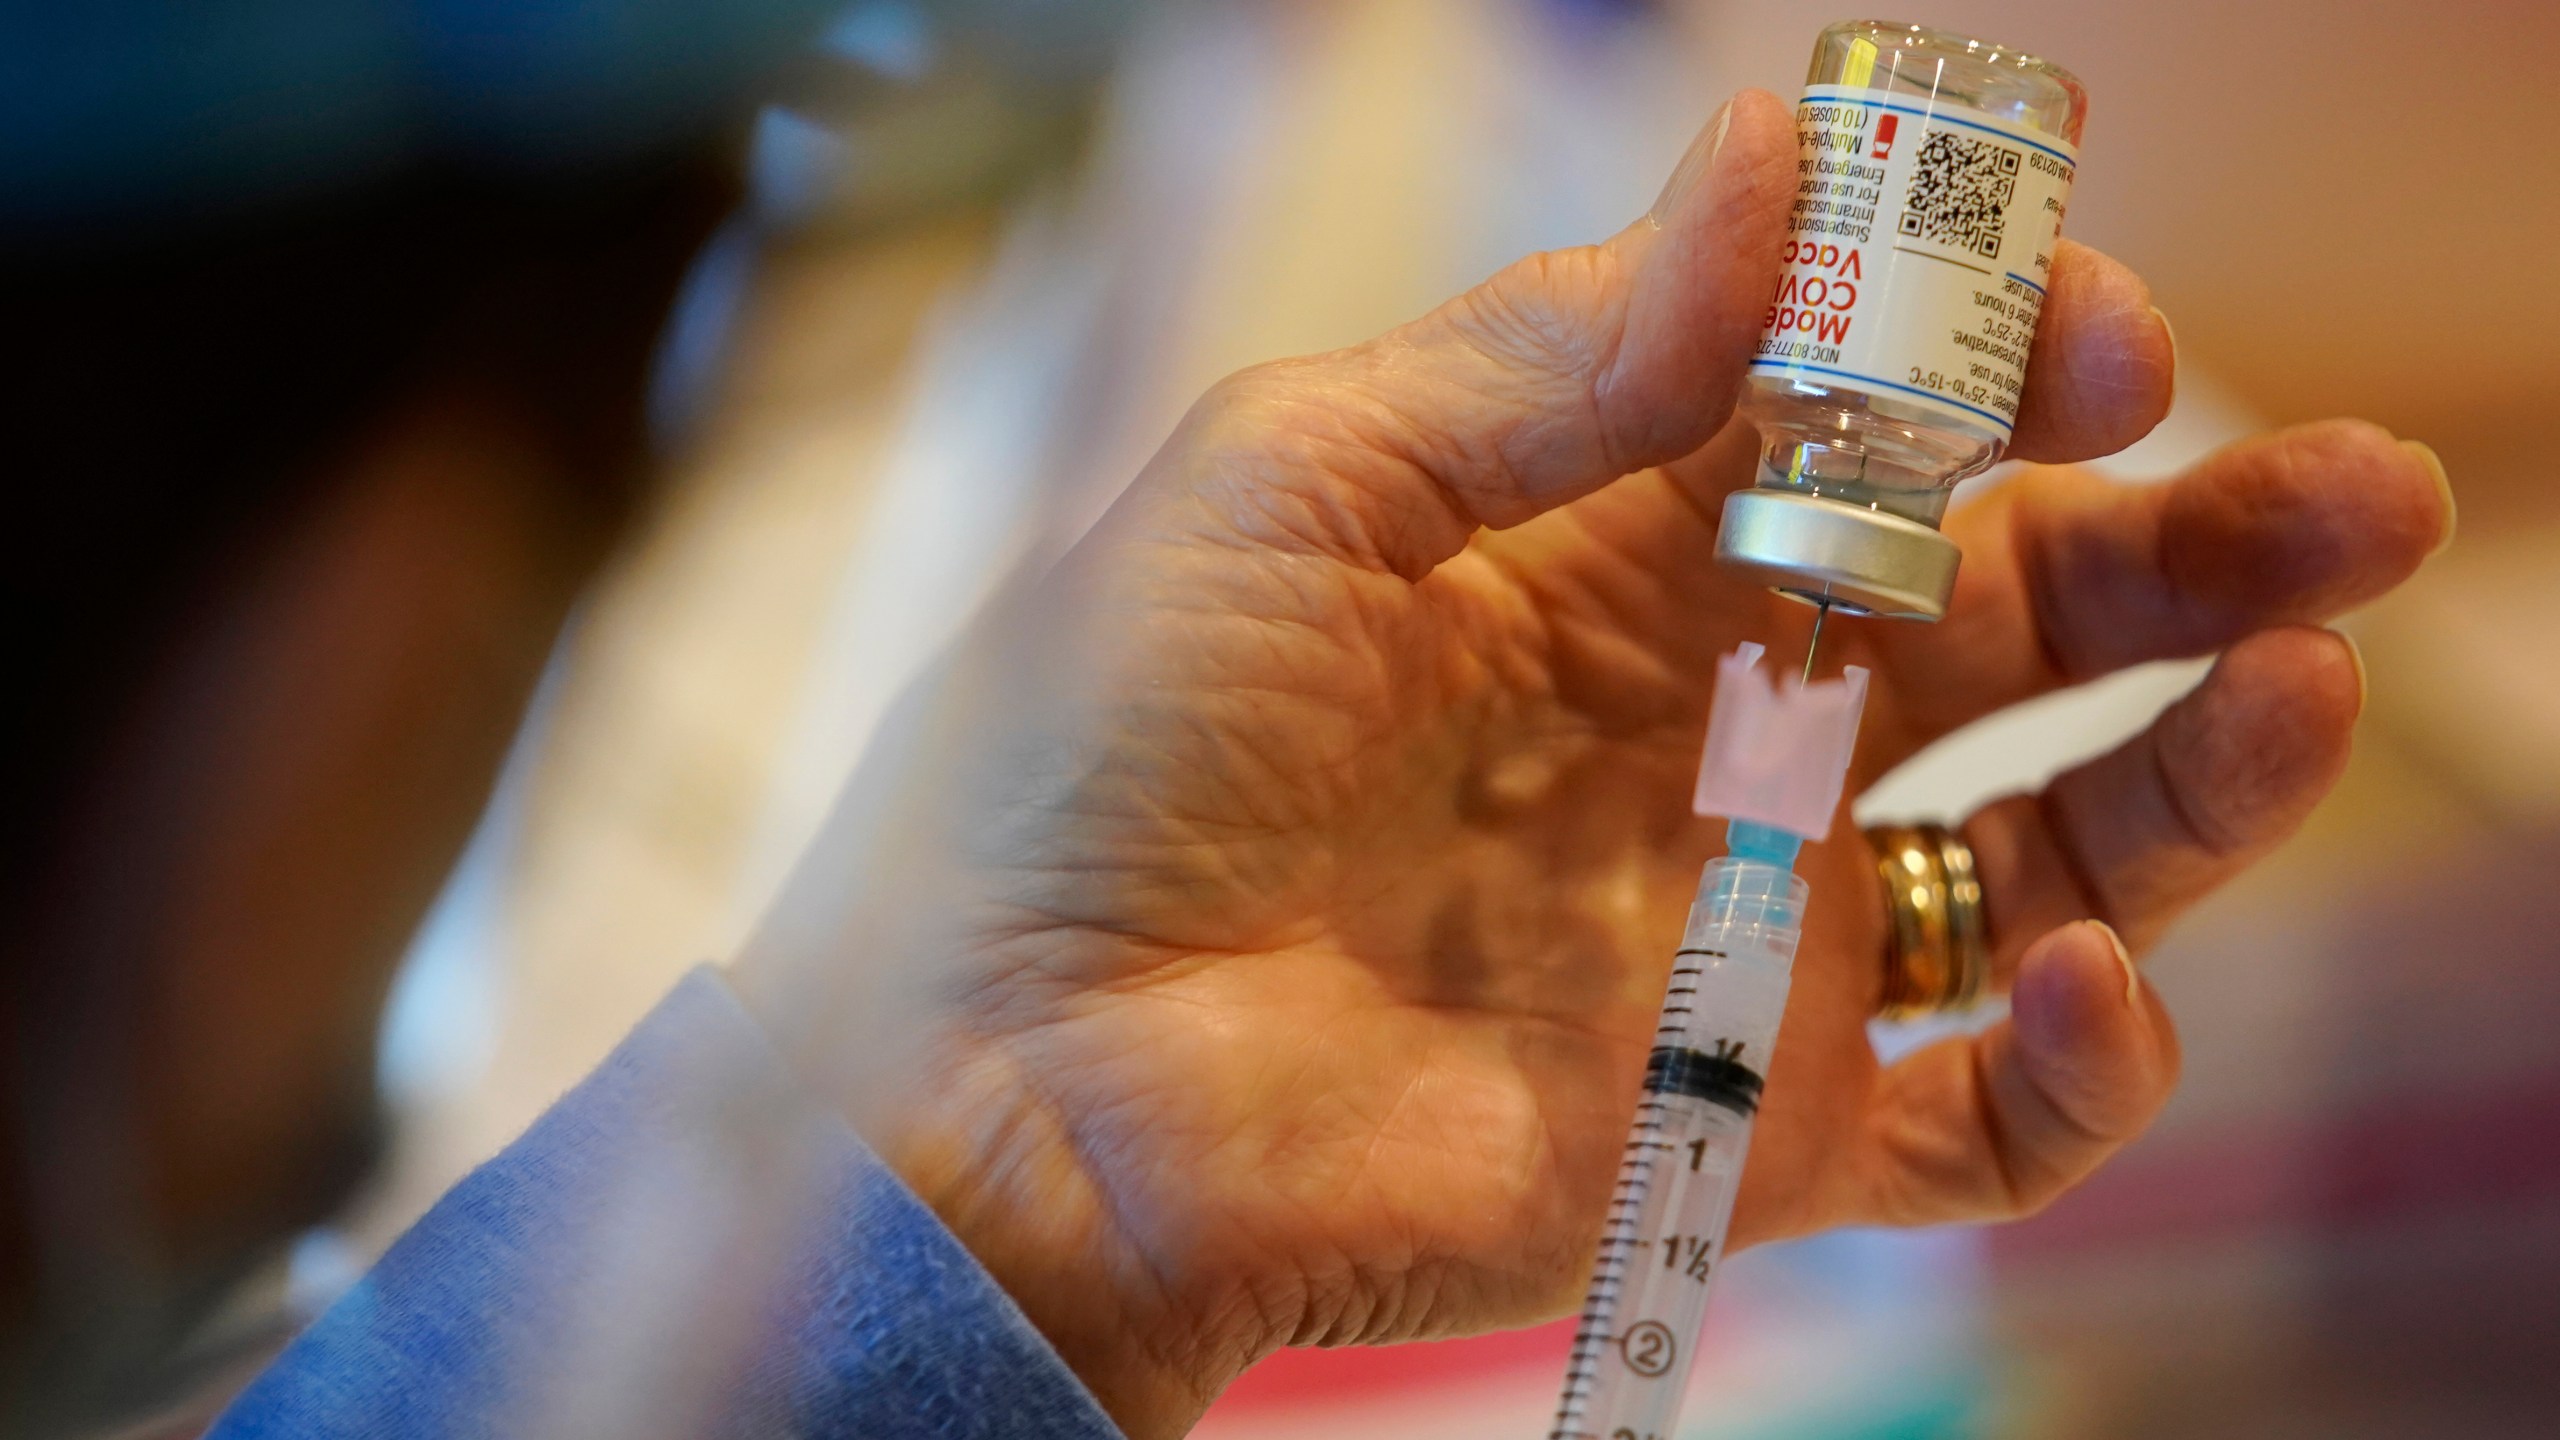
1664 1239
1775 763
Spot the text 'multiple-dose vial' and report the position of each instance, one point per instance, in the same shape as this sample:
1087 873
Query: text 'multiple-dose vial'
1933 172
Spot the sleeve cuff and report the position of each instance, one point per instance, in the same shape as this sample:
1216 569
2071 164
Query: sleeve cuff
687 1244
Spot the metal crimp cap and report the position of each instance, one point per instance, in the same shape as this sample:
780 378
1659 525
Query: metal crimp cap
1866 561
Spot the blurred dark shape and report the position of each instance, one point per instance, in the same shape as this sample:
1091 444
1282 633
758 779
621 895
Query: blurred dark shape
301 500
336 323
133 109
334 326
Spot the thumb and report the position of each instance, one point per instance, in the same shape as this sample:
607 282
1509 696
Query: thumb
1556 376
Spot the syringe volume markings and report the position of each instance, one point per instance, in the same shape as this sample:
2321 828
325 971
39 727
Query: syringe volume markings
1719 1078
1687 1253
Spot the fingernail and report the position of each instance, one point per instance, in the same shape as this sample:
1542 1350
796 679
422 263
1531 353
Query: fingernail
1694 165
2444 488
2172 332
2124 957
2355 657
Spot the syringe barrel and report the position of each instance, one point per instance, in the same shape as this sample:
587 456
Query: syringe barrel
1738 951
1664 1238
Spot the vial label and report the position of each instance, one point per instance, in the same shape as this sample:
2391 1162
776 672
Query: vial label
1918 254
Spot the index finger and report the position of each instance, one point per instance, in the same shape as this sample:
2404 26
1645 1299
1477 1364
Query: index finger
2104 365
2068 577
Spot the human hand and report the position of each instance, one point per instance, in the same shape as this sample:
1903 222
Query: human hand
1285 883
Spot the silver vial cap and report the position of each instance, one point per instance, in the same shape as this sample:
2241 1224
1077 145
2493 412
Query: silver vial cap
1864 560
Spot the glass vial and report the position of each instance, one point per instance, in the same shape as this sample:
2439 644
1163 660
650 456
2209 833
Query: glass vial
1933 172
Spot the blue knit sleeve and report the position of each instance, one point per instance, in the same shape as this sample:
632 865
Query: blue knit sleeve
686 1245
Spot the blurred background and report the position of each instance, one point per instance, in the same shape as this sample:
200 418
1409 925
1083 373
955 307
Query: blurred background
920 311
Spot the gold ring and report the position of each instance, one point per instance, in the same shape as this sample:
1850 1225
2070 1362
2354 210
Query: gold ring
1936 957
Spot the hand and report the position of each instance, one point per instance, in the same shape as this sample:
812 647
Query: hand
1283 886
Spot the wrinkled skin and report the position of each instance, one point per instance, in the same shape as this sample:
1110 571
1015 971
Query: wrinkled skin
1278 892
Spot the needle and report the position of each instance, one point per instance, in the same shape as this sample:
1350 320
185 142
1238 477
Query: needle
1821 612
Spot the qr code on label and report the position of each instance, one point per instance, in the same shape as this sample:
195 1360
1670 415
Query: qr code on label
1960 192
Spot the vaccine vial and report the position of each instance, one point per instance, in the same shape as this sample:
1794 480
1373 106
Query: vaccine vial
1931 178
